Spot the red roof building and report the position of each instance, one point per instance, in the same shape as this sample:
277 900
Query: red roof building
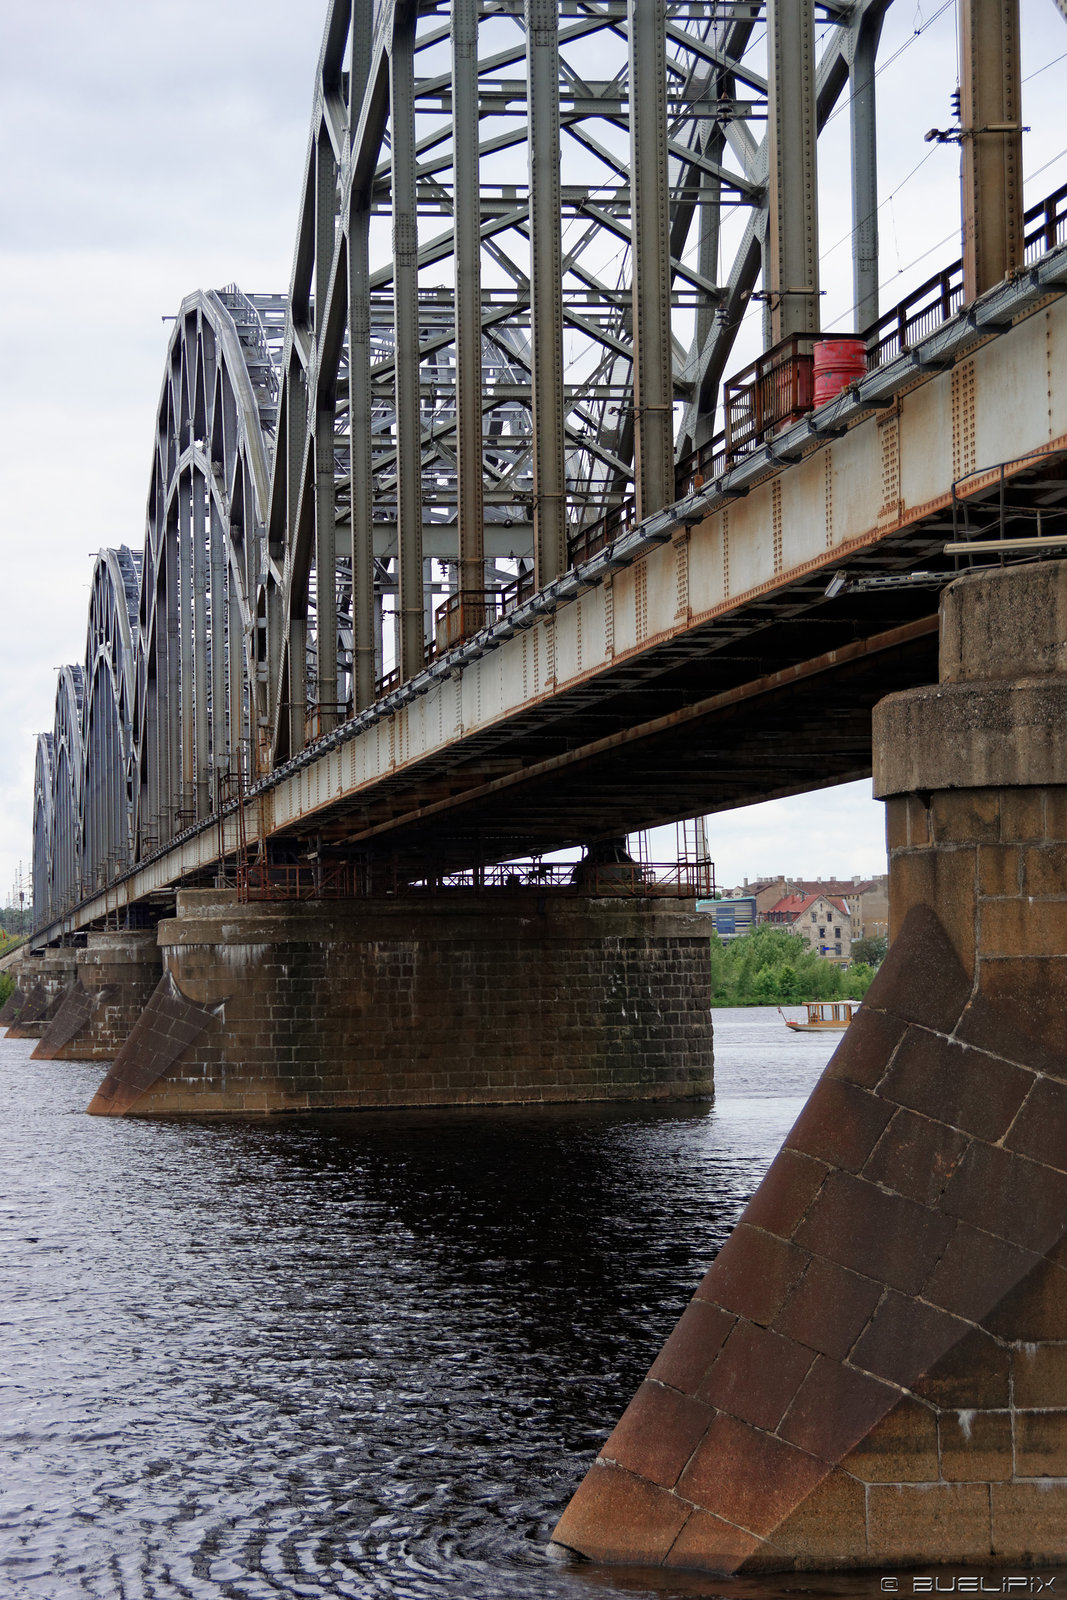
822 921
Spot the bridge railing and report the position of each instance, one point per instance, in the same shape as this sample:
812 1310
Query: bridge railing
346 880
686 880
1046 224
771 392
777 389
316 880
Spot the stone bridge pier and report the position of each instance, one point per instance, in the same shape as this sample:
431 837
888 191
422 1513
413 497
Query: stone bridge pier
41 982
874 1370
113 978
506 996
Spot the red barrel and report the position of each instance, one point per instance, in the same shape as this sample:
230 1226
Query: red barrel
836 363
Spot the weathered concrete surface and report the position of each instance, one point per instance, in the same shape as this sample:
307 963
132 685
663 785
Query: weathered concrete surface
114 978
448 1000
874 1370
41 983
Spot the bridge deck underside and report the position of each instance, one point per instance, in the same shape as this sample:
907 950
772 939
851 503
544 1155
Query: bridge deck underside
772 700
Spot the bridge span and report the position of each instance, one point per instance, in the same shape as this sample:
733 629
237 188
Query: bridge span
455 556
428 582
696 659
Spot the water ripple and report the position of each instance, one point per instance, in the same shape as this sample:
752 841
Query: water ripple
365 1356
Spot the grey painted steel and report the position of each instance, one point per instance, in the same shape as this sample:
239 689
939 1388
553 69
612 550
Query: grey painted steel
406 313
326 575
546 289
792 252
44 911
198 690
992 143
467 217
864 33
653 375
442 414
365 626
473 118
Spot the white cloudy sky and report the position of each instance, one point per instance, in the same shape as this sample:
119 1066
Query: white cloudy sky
152 147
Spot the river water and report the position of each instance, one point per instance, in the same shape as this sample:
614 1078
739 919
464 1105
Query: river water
358 1356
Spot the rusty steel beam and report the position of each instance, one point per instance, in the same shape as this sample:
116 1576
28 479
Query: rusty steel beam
992 143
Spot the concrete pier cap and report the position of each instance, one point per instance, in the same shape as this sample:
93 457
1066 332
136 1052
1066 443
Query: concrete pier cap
873 1373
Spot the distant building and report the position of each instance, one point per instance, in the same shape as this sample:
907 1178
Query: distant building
823 921
867 899
766 892
732 917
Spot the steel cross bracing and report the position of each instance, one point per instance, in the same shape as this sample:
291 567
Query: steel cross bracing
172 698
501 354
469 307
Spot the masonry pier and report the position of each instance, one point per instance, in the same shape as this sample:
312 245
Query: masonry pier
457 998
874 1370
114 977
41 982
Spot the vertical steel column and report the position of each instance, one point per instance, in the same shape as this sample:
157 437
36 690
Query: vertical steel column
296 439
325 408
235 669
200 646
364 628
467 244
186 792
298 682
546 290
992 167
326 690
361 521
148 798
406 322
169 701
864 175
709 217
296 432
650 230
791 274
217 564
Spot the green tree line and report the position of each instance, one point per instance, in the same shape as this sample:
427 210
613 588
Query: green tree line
771 966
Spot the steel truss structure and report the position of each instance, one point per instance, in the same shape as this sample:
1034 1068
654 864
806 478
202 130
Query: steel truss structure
507 319
504 341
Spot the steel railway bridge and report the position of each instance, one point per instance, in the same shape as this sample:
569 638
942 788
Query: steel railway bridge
455 555
470 546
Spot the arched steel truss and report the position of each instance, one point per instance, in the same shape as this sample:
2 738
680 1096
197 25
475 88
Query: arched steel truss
506 311
43 786
173 696
64 817
202 676
505 336
108 778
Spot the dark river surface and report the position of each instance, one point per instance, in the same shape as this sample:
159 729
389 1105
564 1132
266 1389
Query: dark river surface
365 1356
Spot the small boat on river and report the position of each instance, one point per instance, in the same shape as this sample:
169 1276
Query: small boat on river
824 1016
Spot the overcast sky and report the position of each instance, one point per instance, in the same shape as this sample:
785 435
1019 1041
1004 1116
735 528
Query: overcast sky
153 147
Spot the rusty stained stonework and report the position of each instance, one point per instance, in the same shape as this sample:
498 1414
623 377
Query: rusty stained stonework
874 1370
41 982
450 1000
113 980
